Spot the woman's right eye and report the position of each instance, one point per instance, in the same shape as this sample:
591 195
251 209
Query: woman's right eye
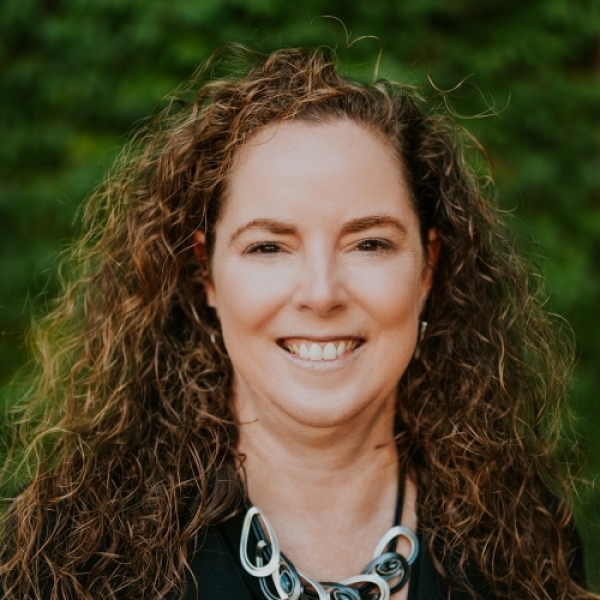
264 248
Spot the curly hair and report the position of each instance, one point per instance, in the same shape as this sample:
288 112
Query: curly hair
129 425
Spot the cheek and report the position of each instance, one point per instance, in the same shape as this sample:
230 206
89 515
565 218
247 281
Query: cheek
247 296
392 296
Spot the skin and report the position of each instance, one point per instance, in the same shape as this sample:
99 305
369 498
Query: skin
318 241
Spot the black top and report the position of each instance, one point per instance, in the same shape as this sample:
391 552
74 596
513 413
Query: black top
219 573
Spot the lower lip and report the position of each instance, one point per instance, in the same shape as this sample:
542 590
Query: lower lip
324 364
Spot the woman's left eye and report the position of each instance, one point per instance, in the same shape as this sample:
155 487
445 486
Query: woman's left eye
373 245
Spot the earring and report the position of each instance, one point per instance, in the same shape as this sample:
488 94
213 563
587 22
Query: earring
420 337
213 339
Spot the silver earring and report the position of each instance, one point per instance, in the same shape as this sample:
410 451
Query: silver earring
421 336
213 339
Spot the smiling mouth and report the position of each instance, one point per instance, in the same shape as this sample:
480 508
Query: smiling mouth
315 351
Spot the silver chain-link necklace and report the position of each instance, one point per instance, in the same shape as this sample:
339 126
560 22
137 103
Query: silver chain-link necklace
387 572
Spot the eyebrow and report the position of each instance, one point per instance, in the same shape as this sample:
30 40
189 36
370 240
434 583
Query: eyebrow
353 226
363 223
277 227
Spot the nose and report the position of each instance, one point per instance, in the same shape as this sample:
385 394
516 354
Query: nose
320 287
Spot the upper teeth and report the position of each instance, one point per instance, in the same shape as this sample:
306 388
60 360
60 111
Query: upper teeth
326 351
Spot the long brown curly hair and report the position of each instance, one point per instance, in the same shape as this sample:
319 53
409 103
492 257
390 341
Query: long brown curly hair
129 425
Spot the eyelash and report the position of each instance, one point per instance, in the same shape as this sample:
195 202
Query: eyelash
261 248
368 245
376 245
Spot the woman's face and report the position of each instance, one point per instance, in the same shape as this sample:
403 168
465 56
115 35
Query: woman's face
318 274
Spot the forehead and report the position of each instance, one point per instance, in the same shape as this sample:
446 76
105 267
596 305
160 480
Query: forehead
338 168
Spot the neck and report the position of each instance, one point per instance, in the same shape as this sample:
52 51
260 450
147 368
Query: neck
285 470
314 484
289 463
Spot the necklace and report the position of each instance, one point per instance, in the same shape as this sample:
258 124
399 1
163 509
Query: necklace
387 572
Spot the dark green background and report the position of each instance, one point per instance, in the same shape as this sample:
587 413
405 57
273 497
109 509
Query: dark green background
77 75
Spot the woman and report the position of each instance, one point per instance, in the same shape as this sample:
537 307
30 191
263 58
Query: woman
293 324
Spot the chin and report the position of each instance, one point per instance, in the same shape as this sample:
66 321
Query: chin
327 410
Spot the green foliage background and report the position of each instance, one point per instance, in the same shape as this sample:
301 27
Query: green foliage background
77 75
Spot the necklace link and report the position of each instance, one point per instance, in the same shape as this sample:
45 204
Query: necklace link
272 565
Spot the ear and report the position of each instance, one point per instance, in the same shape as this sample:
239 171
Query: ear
199 248
434 246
